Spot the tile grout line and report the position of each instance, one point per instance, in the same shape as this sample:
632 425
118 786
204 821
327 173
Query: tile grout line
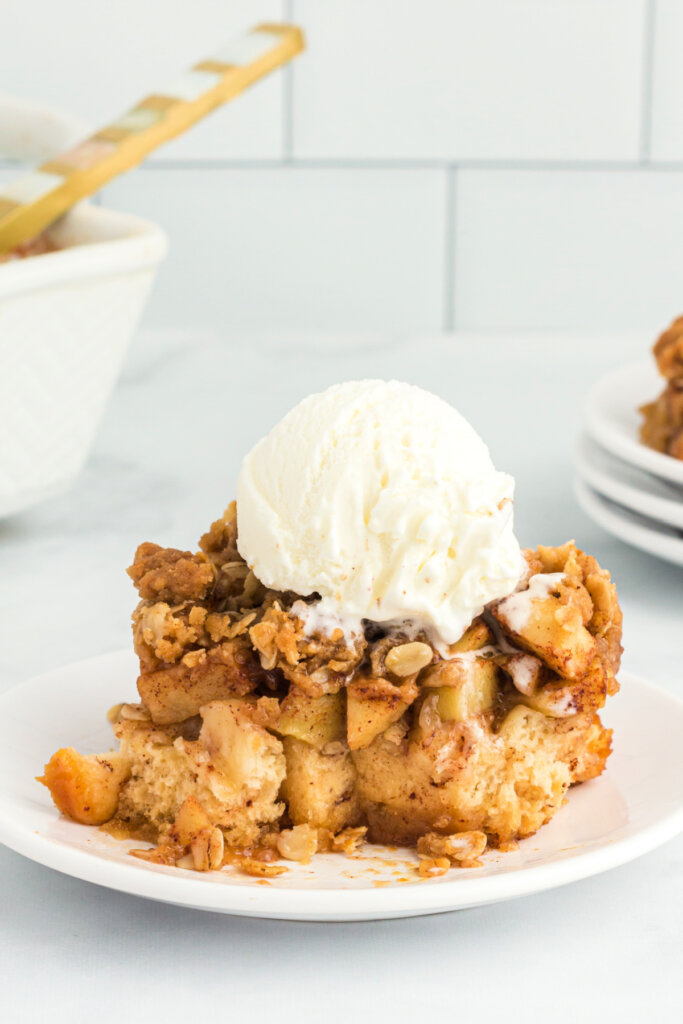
370 164
449 250
648 82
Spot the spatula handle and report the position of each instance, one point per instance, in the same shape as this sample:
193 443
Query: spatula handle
34 201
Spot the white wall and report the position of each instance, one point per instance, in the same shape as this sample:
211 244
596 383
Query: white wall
448 163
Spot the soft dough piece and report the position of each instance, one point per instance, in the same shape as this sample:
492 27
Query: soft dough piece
460 776
234 768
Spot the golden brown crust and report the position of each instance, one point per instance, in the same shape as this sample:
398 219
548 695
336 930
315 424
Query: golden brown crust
162 634
167 574
219 543
315 663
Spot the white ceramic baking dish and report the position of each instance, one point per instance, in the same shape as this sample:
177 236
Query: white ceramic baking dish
66 318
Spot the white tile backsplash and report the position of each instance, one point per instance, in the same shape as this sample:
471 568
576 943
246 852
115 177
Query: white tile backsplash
667 91
95 59
295 248
509 147
454 79
581 250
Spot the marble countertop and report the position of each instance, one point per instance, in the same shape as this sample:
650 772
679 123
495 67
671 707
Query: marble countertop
164 465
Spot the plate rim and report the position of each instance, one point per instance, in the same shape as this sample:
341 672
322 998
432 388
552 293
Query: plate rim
602 429
655 506
617 521
334 904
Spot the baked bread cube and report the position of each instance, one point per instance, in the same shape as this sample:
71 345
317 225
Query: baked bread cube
449 777
320 786
234 768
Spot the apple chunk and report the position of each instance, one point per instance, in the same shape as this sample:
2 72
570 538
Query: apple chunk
85 787
373 704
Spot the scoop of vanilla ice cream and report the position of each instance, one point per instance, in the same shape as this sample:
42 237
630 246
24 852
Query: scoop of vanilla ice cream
381 498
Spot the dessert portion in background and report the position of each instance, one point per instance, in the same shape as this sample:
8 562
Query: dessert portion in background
662 426
358 649
36 247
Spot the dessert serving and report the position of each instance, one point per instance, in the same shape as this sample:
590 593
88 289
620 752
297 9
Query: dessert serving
36 247
662 426
358 649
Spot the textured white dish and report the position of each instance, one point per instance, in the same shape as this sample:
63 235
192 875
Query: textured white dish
67 318
627 485
655 538
612 418
633 808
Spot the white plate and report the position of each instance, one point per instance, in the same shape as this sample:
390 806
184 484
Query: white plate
655 538
612 418
628 486
634 807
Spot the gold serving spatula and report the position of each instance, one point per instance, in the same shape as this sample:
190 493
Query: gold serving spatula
32 202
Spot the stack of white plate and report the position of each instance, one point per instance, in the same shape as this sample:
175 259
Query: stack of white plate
632 491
